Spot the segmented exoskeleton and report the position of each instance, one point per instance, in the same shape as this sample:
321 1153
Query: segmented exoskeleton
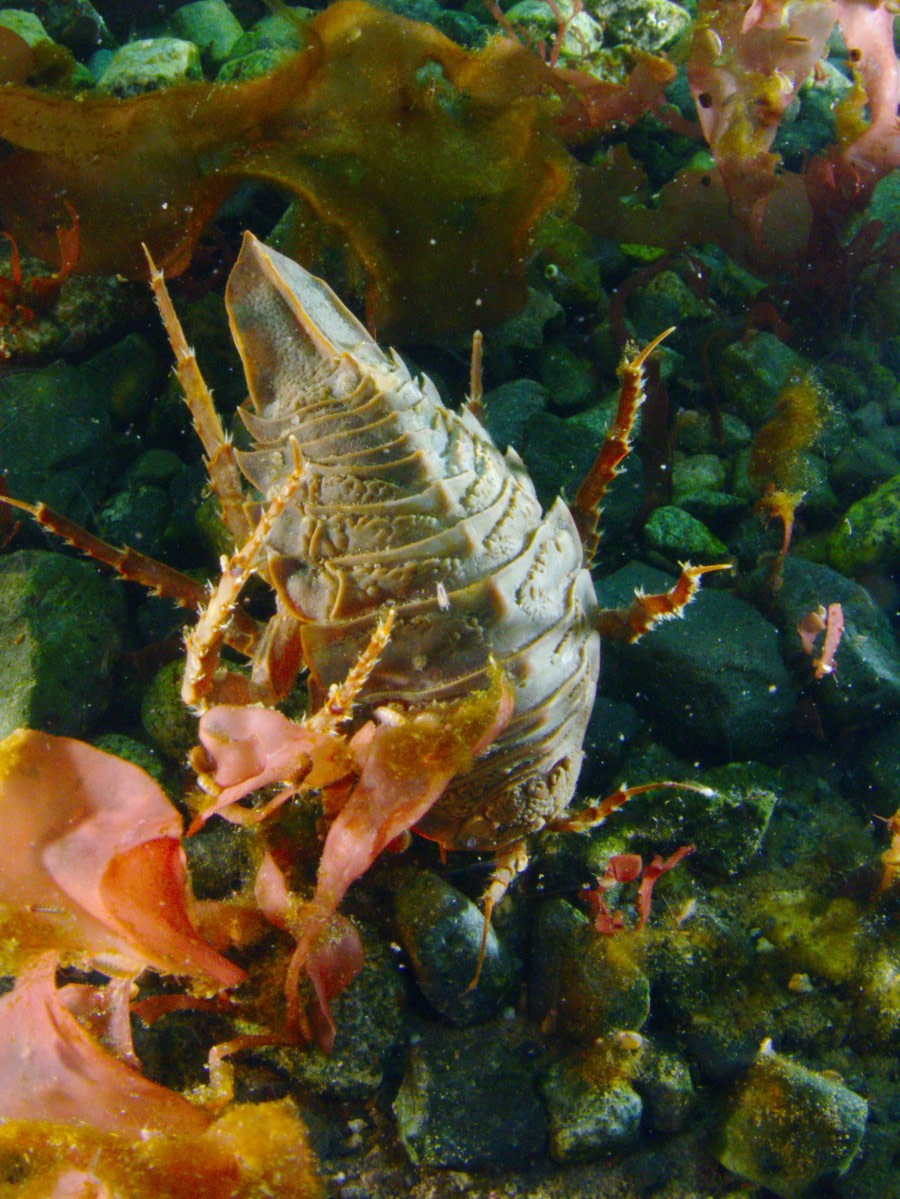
375 496
402 502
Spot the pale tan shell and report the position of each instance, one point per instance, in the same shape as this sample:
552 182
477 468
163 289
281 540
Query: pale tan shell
404 502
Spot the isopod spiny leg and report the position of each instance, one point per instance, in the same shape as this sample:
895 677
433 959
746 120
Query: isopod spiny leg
162 580
596 814
341 697
204 641
224 476
508 863
585 507
644 611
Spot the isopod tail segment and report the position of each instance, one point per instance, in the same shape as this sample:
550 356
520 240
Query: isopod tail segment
513 859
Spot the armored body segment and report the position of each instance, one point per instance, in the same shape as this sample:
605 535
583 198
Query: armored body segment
406 503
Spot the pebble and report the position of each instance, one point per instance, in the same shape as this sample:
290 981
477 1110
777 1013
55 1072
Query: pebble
441 931
791 1129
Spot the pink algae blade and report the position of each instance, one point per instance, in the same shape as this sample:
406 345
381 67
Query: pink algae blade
93 858
251 747
51 1069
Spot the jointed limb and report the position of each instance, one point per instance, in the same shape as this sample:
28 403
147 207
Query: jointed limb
204 641
162 580
508 863
644 611
224 475
616 446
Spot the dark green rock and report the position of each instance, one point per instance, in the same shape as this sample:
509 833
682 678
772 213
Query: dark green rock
728 825
697 472
137 518
510 407
688 966
663 1081
155 468
613 724
791 1129
54 438
468 1099
878 766
593 1110
682 537
220 859
869 535
558 453
61 626
132 374
441 931
144 756
369 1017
750 374
718 510
566 376
72 23
863 464
587 984
167 720
865 684
666 300
714 678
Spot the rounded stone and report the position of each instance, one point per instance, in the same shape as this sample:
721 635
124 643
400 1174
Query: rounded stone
167 720
586 984
149 64
441 931
592 1109
713 679
61 625
681 536
790 1128
468 1099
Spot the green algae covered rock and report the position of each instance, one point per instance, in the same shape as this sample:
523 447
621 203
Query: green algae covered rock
469 1100
210 25
727 823
791 1128
714 679
441 931
149 64
869 535
27 25
167 720
587 984
510 407
592 1105
663 1081
865 684
647 24
369 1020
61 625
752 373
54 438
682 537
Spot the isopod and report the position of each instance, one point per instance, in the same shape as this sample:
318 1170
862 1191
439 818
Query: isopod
376 497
